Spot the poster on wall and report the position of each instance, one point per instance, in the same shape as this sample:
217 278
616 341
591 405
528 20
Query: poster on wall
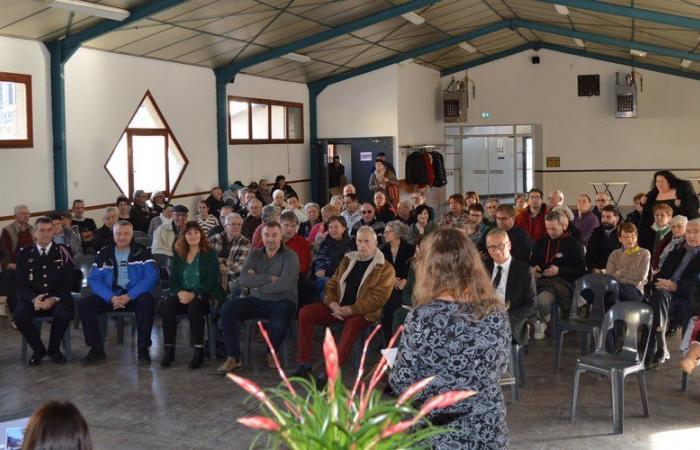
365 156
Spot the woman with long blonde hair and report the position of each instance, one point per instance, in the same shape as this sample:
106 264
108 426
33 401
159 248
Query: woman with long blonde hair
458 332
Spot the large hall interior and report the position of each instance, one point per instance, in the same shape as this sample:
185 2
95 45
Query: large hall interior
460 224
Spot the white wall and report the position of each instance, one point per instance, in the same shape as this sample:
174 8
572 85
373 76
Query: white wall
252 162
27 173
103 90
583 131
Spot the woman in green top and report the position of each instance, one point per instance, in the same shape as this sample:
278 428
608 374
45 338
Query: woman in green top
194 282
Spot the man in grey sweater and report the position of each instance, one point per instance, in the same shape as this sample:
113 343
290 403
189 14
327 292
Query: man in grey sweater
271 273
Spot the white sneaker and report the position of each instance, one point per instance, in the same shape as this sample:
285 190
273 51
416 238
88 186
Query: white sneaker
539 329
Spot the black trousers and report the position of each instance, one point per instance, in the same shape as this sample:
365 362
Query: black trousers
92 307
61 313
171 307
659 301
8 288
390 307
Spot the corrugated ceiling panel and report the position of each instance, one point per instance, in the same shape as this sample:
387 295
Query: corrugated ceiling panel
157 41
678 7
114 40
185 46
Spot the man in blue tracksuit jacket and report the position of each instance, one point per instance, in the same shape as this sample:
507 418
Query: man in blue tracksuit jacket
121 279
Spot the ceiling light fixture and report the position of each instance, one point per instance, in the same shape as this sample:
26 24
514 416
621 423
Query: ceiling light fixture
561 9
414 18
406 62
639 53
93 9
579 42
467 47
685 63
297 57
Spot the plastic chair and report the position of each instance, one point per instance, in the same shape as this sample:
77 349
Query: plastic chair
516 371
84 263
618 366
38 321
143 238
252 324
119 316
210 332
600 285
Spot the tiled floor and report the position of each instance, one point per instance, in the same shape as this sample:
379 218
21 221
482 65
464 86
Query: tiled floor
151 408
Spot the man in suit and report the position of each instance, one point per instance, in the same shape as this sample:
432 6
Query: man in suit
513 281
44 277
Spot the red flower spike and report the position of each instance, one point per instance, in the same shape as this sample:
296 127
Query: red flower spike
414 389
260 423
330 354
397 428
289 386
443 401
361 369
254 390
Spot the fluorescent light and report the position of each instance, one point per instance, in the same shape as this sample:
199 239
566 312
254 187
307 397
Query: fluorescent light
406 62
93 9
561 9
467 47
579 42
685 63
639 53
297 57
414 18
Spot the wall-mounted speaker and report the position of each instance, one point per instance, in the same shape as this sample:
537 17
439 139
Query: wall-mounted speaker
535 60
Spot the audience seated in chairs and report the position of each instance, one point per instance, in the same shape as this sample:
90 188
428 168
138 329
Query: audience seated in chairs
678 225
85 226
655 237
351 213
223 212
278 199
458 332
204 218
330 253
293 241
215 201
584 219
294 206
354 297
555 198
567 217
121 279
271 273
602 199
513 281
104 235
319 232
603 240
531 219
383 211
165 216
457 215
194 285
520 244
404 213
166 234
490 207
399 253
44 278
313 213
558 260
158 202
369 219
672 285
636 215
629 264
15 236
270 213
418 198
123 208
253 220
232 249
65 235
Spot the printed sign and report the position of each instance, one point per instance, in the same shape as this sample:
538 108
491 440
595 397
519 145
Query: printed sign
365 156
553 161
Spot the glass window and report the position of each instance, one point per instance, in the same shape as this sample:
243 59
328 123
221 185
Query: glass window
278 122
260 121
238 112
523 129
452 131
294 122
15 110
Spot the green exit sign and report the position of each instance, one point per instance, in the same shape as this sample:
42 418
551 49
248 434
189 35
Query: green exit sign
485 115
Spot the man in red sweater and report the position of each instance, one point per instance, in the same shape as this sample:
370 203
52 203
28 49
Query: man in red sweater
531 219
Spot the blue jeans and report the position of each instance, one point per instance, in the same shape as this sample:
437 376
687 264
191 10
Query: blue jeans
233 312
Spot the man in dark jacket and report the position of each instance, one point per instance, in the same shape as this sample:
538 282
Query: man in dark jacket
44 278
520 244
603 240
121 279
215 201
673 284
140 213
335 172
558 260
513 281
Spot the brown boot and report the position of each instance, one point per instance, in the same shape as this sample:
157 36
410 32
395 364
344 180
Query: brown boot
690 360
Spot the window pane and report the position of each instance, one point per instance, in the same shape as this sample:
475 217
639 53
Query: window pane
260 123
523 129
278 122
117 166
294 121
239 119
146 116
176 163
149 162
452 131
13 111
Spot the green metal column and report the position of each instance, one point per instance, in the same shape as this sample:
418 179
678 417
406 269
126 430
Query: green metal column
315 151
222 80
58 124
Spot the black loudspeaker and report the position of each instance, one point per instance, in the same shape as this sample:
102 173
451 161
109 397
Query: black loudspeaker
535 60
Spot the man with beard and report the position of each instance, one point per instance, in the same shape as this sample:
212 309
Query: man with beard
603 240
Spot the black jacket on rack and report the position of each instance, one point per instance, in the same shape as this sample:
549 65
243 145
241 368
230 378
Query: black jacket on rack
415 169
439 169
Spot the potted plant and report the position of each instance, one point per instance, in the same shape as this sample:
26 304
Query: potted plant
336 417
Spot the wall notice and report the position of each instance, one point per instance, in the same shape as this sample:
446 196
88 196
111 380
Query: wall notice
553 161
365 156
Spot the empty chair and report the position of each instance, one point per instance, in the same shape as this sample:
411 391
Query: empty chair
603 287
617 366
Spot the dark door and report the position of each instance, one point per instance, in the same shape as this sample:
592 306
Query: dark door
364 153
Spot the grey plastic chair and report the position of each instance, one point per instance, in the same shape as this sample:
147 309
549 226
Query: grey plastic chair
250 325
119 317
618 366
599 285
210 332
515 377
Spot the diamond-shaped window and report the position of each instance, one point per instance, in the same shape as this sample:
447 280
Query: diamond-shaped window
147 156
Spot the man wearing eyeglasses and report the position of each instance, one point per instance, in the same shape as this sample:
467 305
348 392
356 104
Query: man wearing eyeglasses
513 281
531 219
520 243
368 219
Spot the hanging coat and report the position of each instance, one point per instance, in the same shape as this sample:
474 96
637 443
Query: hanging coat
416 172
439 169
428 163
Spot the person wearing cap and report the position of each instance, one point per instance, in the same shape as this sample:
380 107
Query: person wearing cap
140 213
215 201
165 235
